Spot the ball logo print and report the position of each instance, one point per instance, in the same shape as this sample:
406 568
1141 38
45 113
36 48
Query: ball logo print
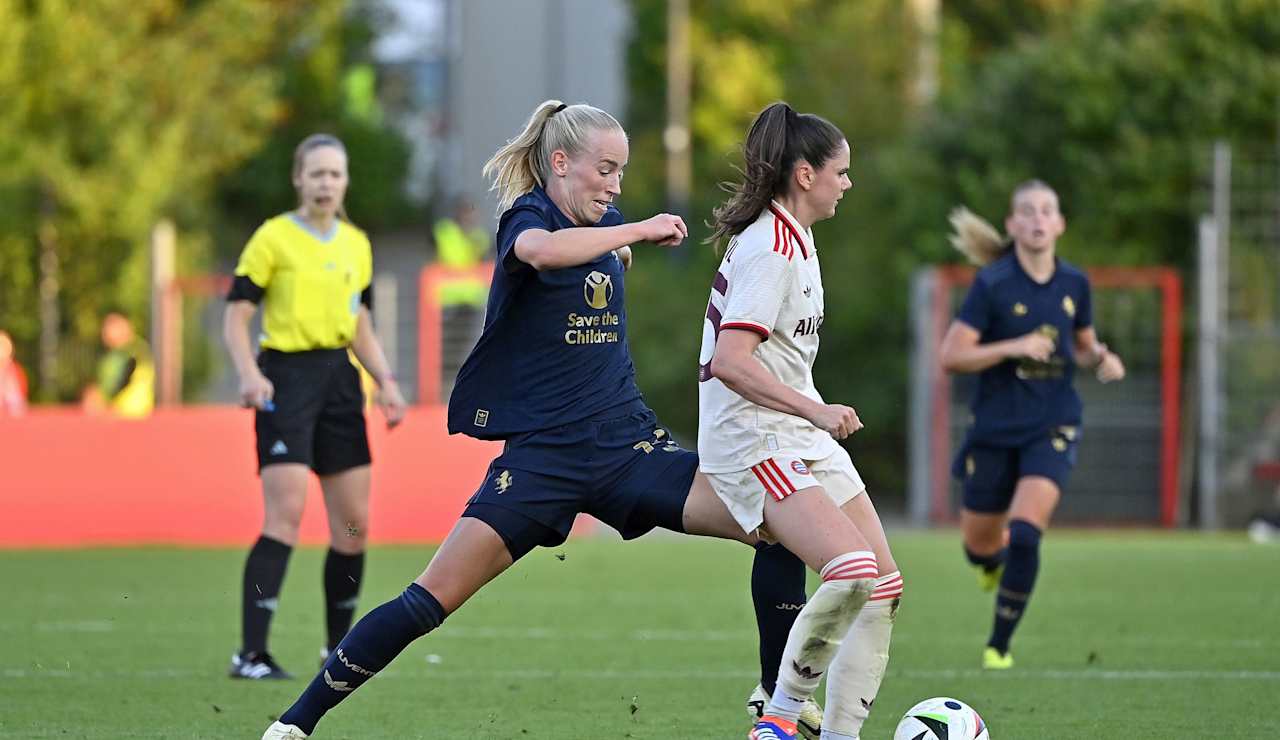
941 718
598 289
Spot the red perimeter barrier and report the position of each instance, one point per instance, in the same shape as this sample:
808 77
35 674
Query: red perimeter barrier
189 476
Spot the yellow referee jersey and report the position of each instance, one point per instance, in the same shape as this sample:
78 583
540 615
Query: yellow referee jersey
312 282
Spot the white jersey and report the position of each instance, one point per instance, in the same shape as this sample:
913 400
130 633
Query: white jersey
769 283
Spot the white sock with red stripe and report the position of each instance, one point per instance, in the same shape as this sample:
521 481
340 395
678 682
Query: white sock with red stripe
820 627
854 677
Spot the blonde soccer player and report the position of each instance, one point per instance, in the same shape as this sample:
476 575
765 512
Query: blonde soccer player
1024 327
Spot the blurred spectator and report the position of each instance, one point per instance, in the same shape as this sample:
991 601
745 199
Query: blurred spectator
13 380
461 244
125 384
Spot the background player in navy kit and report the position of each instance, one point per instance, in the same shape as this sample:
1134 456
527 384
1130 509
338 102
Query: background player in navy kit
1024 326
552 376
311 271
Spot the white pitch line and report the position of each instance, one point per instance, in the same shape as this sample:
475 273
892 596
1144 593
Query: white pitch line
444 672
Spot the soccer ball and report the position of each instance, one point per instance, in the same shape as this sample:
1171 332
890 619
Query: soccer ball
941 718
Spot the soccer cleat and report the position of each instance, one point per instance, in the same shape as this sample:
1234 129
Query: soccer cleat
810 723
257 667
989 579
772 728
994 660
281 731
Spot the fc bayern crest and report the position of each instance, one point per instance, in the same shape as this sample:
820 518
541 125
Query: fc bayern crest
799 467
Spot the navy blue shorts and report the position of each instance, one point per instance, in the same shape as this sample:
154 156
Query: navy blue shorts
989 475
619 466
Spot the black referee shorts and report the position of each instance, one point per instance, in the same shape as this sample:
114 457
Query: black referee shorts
317 417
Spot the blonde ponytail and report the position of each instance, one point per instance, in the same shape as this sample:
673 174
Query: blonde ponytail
525 161
975 237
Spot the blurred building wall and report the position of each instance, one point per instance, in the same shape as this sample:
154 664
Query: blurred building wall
506 57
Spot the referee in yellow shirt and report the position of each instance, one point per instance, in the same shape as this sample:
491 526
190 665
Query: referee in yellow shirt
312 271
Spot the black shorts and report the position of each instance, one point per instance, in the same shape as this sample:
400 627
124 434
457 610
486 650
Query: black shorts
990 474
317 417
620 467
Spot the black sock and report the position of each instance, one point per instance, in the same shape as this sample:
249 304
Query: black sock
777 590
987 562
374 642
1016 583
342 576
263 574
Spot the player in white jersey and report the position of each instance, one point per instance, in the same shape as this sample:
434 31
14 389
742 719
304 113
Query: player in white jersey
767 440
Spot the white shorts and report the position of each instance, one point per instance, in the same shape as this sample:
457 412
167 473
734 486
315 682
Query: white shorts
744 491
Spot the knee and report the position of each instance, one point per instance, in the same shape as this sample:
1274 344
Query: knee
853 575
349 537
1023 535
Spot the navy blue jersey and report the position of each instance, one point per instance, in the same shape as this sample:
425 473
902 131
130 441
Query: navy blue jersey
554 346
1020 399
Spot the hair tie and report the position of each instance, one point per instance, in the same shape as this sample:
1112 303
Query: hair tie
561 107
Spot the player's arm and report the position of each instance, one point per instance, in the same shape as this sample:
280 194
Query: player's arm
255 389
963 353
369 352
552 250
735 364
1094 355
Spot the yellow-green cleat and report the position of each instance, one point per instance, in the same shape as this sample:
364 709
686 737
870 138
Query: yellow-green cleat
988 579
994 660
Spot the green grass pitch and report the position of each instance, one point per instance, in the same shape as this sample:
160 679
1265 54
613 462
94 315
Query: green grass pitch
1130 635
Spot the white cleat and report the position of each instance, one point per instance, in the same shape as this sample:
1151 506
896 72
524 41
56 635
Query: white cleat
809 725
281 731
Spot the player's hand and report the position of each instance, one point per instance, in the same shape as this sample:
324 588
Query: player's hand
1111 368
392 402
256 391
1034 346
624 256
837 420
664 229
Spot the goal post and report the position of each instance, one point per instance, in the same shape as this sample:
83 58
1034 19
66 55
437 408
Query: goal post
1129 449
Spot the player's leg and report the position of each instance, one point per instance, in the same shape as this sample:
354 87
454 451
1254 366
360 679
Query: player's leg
853 680
778 594
513 512
471 556
1033 503
810 524
346 499
342 461
284 493
988 476
285 437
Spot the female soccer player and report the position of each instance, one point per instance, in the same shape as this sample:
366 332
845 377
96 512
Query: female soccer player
313 269
1024 326
766 439
552 376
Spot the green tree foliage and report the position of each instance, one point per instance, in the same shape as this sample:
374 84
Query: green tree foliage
114 115
1110 102
846 61
330 89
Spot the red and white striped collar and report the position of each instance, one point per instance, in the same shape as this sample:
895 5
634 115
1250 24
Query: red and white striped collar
803 237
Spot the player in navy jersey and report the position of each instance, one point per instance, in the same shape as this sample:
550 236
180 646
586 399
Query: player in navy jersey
1025 325
552 376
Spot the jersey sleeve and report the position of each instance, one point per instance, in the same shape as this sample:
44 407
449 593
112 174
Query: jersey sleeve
258 260
1084 307
976 309
757 288
514 222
